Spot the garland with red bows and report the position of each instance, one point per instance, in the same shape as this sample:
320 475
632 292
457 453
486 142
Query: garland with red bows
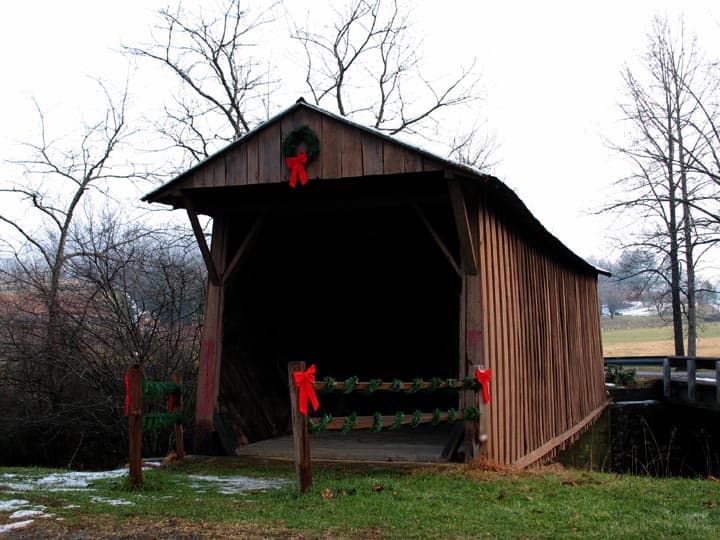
295 160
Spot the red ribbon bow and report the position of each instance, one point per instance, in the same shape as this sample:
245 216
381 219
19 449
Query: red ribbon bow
304 381
483 377
297 169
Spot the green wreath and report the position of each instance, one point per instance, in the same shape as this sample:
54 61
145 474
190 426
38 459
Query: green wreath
299 135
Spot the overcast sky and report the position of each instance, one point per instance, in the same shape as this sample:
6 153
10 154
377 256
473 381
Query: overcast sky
550 72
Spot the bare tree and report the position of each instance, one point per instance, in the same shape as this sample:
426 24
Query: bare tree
665 189
224 91
366 64
57 177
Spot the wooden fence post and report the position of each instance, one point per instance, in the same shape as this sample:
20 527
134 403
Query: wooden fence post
691 378
666 378
133 376
178 405
301 435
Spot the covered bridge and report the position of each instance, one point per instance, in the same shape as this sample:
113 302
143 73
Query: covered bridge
390 262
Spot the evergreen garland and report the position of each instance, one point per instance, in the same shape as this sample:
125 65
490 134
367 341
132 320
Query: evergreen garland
350 421
373 385
329 384
399 416
153 421
350 384
436 417
321 425
435 383
160 389
396 385
417 385
417 417
377 424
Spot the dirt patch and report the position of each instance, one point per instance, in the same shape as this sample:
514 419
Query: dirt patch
139 529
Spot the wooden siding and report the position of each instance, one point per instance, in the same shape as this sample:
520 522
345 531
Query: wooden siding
346 151
541 338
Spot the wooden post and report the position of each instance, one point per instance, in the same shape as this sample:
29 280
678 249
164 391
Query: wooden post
301 435
178 406
717 382
211 346
666 378
134 386
691 378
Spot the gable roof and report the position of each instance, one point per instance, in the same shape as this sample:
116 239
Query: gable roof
347 150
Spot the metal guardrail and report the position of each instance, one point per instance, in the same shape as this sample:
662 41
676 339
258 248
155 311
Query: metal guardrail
681 363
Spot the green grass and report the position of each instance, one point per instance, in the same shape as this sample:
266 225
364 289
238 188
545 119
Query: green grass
647 329
385 502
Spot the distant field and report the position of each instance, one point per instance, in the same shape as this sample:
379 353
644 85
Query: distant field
651 336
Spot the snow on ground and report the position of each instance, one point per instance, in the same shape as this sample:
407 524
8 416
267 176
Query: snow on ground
16 525
231 485
21 513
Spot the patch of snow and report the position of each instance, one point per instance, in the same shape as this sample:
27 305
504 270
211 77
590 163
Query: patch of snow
22 514
233 485
12 504
69 481
111 502
15 526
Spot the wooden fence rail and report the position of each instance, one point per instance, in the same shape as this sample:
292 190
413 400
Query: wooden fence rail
302 425
689 365
135 389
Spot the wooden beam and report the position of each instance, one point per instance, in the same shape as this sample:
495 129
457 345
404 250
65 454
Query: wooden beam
553 443
468 253
213 275
439 241
300 430
242 250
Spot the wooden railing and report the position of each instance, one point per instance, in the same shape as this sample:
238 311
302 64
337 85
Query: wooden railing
687 364
302 425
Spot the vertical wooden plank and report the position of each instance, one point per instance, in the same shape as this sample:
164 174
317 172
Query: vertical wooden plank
133 381
219 177
253 163
351 152
372 155
330 155
313 120
269 154
393 158
413 162
236 166
301 437
717 381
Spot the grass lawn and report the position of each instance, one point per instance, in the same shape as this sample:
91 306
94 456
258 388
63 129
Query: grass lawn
373 502
651 336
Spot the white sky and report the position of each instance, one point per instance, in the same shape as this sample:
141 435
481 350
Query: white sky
550 72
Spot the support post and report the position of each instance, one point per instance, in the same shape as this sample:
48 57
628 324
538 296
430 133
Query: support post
666 378
178 405
301 435
717 382
133 376
691 378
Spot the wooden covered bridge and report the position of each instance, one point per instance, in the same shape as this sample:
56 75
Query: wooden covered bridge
389 262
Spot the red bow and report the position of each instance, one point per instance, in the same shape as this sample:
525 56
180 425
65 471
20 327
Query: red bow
297 169
304 381
483 377
127 394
